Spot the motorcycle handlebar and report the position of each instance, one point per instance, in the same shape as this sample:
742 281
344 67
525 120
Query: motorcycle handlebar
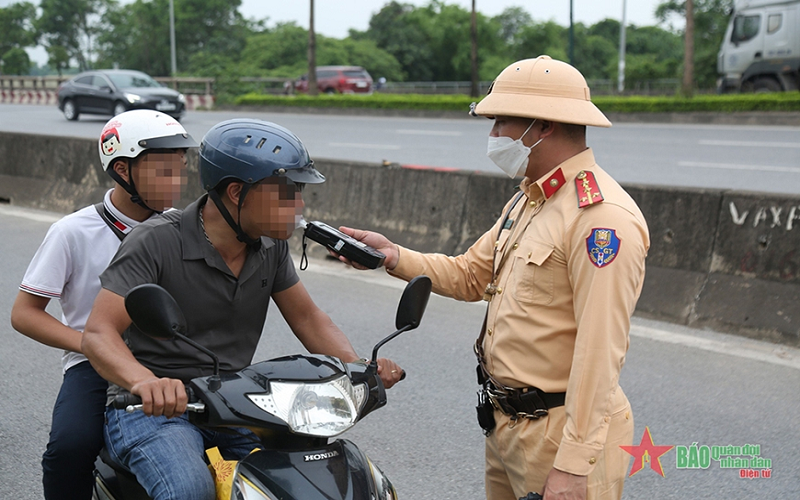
125 399
131 402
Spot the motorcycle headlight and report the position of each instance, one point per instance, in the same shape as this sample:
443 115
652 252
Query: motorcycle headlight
132 98
326 409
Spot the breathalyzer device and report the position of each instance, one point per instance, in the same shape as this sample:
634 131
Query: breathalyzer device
343 244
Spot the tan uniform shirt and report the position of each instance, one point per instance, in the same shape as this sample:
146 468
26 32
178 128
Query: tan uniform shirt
565 294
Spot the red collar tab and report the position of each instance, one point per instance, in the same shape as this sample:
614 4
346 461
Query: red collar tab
588 190
553 183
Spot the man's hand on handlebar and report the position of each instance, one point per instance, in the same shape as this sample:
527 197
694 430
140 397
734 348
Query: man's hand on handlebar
161 396
377 241
390 372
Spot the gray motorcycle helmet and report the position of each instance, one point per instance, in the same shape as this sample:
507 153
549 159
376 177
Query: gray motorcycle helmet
250 150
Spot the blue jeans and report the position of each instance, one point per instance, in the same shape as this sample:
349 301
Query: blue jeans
76 435
167 455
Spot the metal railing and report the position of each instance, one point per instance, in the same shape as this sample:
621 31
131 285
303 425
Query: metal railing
185 84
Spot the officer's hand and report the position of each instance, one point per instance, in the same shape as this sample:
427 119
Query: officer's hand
389 372
564 486
161 396
377 241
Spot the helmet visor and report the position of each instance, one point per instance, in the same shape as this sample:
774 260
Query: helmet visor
304 175
177 141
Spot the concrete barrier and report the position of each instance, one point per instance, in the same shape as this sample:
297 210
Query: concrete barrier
730 260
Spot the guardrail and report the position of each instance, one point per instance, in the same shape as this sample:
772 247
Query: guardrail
184 84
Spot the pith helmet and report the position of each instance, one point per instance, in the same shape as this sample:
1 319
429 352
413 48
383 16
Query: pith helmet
542 88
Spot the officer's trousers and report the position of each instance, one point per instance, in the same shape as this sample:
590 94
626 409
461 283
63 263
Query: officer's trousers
520 455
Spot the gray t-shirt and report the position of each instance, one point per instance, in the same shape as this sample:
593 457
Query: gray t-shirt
223 313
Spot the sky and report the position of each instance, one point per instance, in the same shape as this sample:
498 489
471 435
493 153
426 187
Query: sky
333 18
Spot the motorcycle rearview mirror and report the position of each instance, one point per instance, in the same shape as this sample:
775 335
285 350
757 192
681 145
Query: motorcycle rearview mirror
155 313
409 311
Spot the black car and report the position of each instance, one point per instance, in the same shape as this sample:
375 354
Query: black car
114 91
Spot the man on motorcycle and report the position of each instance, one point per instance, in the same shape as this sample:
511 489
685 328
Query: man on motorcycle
144 151
222 259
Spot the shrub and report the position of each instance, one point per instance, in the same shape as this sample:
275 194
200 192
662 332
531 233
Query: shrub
787 101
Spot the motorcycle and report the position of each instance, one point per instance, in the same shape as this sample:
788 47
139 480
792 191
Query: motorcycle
294 404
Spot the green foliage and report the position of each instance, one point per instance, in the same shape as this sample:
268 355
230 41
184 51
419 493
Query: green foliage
789 101
541 38
400 30
710 22
281 52
136 35
58 58
404 42
16 26
15 62
373 101
73 25
609 104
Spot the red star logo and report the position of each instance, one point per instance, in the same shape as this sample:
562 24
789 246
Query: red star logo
646 451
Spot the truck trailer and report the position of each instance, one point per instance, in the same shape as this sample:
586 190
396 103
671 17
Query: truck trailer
761 49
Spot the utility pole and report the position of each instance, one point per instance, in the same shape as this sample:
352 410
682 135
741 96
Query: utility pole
172 38
571 35
688 51
474 54
621 70
312 55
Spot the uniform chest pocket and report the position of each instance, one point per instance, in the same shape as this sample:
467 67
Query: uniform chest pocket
532 275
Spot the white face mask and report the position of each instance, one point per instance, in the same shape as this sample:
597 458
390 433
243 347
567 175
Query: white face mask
510 155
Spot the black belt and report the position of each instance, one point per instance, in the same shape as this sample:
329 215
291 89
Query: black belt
529 402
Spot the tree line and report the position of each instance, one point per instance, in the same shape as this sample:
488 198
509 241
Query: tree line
402 43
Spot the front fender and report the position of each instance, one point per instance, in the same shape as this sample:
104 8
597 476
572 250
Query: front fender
338 471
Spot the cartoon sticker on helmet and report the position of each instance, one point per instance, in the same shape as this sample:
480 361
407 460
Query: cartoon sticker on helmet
110 141
602 246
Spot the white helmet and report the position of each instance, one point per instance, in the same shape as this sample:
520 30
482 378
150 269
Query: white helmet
130 133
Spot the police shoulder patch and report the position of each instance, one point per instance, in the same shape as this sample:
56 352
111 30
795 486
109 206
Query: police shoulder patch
587 189
602 246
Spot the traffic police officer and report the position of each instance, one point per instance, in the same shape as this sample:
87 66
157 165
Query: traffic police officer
561 270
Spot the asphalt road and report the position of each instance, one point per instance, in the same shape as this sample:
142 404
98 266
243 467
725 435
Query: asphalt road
686 386
753 158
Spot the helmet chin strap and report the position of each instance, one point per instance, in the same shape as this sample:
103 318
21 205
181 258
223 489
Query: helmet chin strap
130 187
254 243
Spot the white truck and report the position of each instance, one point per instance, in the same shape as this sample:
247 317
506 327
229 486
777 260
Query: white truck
761 49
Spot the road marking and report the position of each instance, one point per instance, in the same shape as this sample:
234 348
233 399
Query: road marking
357 145
729 166
446 133
751 144
730 345
34 215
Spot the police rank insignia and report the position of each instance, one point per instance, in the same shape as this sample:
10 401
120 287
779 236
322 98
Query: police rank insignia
588 190
602 246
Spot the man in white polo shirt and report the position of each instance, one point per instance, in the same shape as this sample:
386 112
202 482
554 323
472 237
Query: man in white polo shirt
145 153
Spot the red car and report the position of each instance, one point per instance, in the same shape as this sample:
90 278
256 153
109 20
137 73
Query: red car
338 80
